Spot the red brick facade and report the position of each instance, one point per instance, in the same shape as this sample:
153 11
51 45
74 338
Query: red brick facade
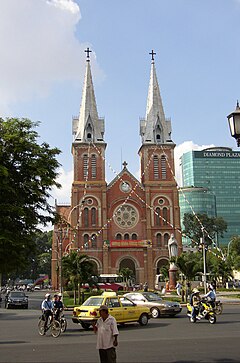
126 223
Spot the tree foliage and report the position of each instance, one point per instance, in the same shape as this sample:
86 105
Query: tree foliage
190 263
233 253
213 225
28 172
78 269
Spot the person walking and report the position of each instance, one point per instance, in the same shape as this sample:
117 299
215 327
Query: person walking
179 288
107 335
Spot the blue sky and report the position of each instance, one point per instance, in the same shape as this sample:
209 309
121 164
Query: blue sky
42 66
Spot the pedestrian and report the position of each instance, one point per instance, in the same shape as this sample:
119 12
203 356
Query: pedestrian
107 335
145 287
179 288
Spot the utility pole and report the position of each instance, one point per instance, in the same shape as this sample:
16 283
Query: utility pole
204 262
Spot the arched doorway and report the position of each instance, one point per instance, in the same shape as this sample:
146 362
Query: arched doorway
96 271
130 264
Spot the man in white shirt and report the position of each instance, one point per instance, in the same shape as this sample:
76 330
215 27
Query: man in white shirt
107 334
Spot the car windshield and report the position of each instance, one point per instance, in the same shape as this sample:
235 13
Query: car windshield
150 296
93 301
17 294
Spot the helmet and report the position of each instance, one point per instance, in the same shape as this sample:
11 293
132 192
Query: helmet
47 295
195 291
60 295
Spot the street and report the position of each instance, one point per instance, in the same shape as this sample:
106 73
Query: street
162 340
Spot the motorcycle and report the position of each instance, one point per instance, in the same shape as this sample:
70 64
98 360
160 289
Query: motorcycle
204 311
218 307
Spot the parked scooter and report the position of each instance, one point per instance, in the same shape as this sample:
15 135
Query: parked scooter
205 311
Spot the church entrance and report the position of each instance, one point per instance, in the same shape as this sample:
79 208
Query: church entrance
127 267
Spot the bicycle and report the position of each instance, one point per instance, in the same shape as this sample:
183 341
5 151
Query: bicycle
53 325
63 322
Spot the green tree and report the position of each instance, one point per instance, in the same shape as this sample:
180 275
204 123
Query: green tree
78 269
213 225
233 253
190 263
127 274
220 269
28 171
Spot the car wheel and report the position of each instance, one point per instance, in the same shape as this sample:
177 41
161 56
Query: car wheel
143 320
85 326
155 313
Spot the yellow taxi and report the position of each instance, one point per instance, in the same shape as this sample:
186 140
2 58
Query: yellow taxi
123 310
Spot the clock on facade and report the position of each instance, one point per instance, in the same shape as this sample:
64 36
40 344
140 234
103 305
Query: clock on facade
125 187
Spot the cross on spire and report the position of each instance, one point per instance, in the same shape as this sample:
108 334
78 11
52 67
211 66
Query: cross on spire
125 164
88 51
152 54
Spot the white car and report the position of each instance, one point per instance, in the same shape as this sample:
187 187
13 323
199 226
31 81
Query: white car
157 305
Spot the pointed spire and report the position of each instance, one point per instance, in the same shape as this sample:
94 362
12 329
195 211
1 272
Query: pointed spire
155 128
89 127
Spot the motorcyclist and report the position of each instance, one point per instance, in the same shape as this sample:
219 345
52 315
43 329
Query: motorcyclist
58 305
210 296
47 309
195 302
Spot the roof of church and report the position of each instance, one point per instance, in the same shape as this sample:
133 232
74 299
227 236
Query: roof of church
119 176
88 121
155 122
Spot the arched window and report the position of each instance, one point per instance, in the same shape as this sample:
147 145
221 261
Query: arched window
94 241
94 166
119 236
85 217
158 239
166 238
93 216
89 132
134 236
126 236
165 216
155 167
85 240
85 165
164 167
157 216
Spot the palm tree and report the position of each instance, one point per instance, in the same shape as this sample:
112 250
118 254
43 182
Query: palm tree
78 269
127 274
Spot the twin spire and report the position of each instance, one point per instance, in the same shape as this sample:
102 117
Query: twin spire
90 128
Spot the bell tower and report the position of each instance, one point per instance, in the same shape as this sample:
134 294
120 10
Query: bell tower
157 168
88 199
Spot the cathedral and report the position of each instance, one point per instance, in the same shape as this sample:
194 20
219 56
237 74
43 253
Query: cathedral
128 222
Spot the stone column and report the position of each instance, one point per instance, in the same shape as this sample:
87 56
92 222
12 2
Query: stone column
172 276
105 258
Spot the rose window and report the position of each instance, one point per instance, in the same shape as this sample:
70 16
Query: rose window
126 216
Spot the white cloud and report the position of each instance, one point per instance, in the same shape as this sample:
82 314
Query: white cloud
39 47
68 5
179 151
63 195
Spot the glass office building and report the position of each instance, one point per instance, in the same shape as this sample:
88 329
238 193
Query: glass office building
218 170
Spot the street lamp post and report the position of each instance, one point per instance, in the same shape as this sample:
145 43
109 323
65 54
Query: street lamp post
204 263
234 123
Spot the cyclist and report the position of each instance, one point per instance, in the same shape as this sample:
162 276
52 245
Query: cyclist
58 305
47 309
